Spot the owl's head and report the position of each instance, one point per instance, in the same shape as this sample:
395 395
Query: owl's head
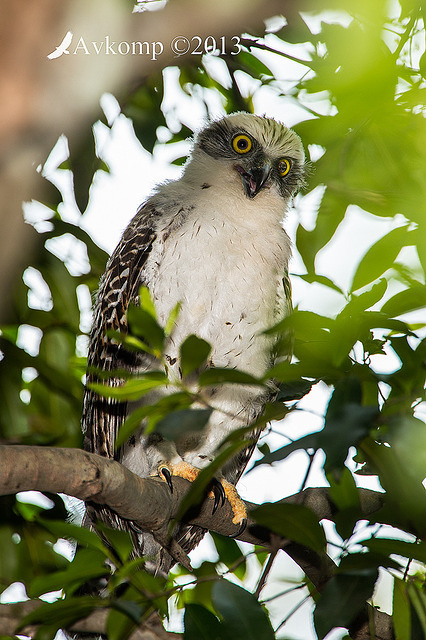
261 152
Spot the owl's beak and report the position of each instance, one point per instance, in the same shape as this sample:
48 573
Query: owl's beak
254 179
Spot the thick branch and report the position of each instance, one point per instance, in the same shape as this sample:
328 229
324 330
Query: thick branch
146 501
94 624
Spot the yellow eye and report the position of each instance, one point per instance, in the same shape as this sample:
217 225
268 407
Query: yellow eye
284 167
241 143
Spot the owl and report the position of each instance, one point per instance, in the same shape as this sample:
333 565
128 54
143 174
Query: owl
212 242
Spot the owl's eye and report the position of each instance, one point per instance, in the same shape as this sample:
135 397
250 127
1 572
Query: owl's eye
241 143
284 166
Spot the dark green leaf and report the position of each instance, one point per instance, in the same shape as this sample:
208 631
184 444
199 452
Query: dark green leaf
194 352
410 550
243 616
342 599
87 565
306 442
201 624
83 162
347 421
62 613
81 535
215 376
131 609
144 325
292 521
120 541
120 623
296 390
182 422
326 282
344 494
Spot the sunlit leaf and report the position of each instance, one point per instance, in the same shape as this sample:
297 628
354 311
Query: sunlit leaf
380 257
230 554
401 617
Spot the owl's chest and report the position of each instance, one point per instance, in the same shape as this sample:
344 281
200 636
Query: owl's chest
227 278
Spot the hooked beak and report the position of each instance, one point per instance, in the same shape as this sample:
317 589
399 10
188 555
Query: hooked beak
254 179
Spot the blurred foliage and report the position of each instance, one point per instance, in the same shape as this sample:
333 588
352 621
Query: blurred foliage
362 89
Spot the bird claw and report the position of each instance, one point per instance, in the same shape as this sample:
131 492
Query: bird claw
165 472
241 529
219 495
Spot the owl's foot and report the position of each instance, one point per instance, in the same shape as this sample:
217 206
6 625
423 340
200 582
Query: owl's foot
221 490
182 469
239 508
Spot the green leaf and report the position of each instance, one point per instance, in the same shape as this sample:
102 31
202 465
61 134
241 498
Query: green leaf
388 546
380 257
217 375
344 494
120 622
243 616
347 421
62 613
401 613
154 412
132 389
87 565
293 521
131 609
326 282
230 554
194 352
146 302
201 624
144 325
171 320
342 599
306 442
289 391
120 541
182 422
418 608
405 301
81 535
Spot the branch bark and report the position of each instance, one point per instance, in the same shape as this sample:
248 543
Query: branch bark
149 503
95 623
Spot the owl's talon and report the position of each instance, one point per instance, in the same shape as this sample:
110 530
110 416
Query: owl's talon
219 495
241 529
165 472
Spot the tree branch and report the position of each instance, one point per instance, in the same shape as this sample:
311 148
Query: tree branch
95 623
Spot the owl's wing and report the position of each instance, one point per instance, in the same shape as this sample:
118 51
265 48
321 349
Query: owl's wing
118 287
